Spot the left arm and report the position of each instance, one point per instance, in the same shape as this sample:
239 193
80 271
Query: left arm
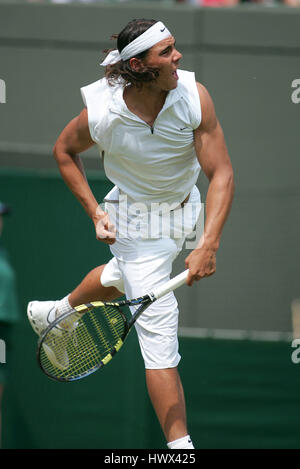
215 162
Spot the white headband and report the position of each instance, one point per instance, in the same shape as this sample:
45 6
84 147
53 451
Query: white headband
149 38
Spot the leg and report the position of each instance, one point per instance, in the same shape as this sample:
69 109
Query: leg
91 289
42 313
164 385
166 393
157 334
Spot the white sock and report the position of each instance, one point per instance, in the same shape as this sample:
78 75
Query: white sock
182 443
63 306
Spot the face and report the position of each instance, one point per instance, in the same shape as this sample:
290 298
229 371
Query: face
165 57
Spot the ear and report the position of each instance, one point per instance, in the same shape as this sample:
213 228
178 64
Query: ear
136 64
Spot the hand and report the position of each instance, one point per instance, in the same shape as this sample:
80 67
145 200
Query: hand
105 230
201 263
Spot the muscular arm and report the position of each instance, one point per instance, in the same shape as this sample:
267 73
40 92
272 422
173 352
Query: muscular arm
215 162
74 139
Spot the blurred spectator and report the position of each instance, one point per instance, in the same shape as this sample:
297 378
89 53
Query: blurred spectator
292 3
9 311
224 3
211 3
218 3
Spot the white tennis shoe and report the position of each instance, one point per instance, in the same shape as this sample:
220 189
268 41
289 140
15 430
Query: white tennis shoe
40 315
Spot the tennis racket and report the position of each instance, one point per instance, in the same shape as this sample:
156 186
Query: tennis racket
85 339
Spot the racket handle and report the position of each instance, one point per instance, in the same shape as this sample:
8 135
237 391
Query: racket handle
171 285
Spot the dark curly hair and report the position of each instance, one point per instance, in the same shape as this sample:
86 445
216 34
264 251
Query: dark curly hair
121 71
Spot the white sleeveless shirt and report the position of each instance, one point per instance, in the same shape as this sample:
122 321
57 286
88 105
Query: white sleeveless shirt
148 164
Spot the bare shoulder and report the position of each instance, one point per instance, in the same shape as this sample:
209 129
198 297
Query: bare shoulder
76 137
209 119
203 92
83 124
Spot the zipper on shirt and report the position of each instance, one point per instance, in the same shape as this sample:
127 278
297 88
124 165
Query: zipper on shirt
136 118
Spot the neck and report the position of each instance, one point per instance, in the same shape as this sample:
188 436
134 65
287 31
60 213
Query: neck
148 97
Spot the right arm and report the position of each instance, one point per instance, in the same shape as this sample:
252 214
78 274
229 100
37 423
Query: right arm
74 139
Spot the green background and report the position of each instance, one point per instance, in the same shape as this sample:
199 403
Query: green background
240 393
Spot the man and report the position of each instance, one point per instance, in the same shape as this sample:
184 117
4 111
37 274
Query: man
147 120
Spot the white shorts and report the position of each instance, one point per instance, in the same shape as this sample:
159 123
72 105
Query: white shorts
138 266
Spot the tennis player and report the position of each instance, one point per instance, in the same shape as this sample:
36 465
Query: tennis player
156 127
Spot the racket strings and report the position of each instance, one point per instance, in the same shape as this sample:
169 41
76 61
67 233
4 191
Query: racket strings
87 342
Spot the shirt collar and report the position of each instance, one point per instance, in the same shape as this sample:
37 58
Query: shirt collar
119 106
